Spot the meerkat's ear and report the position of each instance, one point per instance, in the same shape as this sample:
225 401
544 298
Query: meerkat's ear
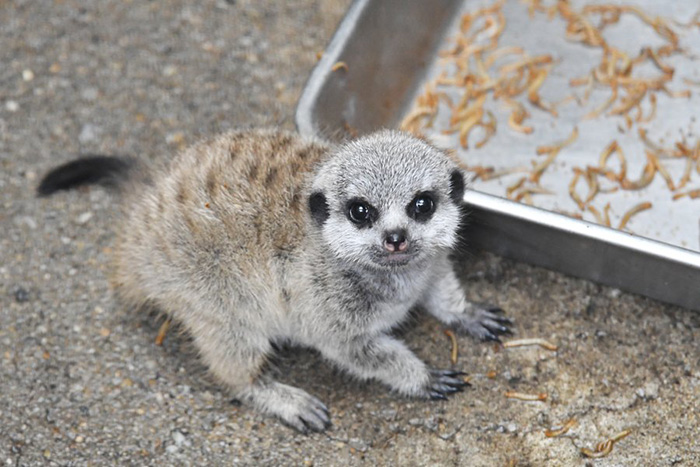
457 186
318 207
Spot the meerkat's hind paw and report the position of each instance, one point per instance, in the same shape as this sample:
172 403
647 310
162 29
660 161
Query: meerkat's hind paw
309 415
487 323
297 409
444 383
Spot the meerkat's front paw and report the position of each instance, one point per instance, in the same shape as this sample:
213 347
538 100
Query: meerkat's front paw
485 322
443 383
294 406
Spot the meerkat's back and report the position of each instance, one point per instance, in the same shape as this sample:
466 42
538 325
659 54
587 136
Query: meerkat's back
227 210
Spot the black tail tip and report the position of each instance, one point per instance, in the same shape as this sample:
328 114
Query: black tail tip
88 170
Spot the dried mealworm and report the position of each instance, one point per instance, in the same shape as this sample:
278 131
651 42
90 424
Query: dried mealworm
662 170
598 217
516 119
635 210
416 114
515 186
490 128
602 107
687 171
455 348
597 454
162 331
572 189
606 212
644 180
652 112
604 448
553 152
692 194
560 431
533 341
613 148
526 397
339 65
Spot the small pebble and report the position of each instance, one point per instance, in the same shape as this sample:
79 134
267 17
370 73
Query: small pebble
21 295
27 75
83 218
178 437
89 94
89 133
175 138
25 221
650 391
12 106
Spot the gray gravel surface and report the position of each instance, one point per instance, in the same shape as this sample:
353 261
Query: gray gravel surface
81 380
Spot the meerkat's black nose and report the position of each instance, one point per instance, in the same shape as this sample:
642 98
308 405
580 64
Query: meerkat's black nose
395 241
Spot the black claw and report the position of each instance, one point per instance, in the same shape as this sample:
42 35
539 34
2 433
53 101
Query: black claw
450 373
434 395
304 430
458 383
491 308
445 388
324 417
311 426
502 320
488 337
496 328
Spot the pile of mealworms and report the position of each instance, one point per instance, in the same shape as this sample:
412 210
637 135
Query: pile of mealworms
600 450
482 73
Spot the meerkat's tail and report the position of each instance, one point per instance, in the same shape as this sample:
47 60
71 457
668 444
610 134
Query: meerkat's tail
90 170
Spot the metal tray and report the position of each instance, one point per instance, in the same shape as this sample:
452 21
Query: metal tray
388 46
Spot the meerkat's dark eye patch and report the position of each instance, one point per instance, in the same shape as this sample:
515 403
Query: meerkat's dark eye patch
456 186
361 213
318 207
422 207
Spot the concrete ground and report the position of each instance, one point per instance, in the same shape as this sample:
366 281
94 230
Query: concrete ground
81 380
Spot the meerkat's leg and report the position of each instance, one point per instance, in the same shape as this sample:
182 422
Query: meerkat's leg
237 357
389 360
447 302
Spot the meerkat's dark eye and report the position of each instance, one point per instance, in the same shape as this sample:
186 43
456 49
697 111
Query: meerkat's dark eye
359 212
422 207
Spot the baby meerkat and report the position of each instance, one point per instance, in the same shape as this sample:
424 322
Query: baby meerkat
259 237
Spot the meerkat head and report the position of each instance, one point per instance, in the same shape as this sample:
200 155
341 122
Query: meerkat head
387 200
